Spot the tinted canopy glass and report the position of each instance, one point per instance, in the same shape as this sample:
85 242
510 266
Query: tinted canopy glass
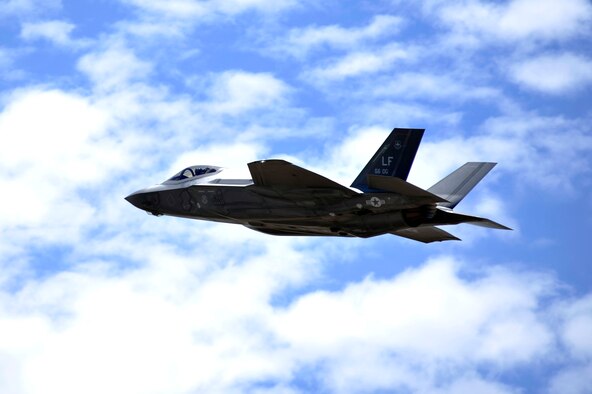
192 172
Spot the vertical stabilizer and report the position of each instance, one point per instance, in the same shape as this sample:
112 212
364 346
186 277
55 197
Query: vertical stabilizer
459 183
393 158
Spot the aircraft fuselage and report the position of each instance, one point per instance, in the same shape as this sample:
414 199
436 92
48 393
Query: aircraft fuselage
273 210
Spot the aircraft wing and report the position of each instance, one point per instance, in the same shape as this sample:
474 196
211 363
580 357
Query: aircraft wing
280 173
426 234
399 186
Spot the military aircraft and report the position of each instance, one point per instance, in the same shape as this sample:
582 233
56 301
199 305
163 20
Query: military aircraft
284 199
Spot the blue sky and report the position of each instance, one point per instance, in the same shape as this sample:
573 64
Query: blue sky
101 98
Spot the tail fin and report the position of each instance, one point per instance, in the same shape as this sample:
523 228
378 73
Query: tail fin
459 183
393 158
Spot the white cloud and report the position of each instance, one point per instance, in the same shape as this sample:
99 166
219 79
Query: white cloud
201 10
202 307
27 7
176 8
233 156
53 143
345 160
417 301
577 319
554 163
517 19
553 74
408 114
185 323
74 150
236 92
176 18
114 67
359 63
572 380
232 7
39 126
64 156
5 58
55 31
472 384
550 152
431 86
8 72
300 41
173 327
153 27
506 140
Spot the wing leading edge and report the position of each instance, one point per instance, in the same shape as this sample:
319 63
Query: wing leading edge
282 174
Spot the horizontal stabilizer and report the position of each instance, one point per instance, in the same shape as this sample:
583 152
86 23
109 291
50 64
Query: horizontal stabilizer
426 234
459 183
280 173
399 186
484 222
447 216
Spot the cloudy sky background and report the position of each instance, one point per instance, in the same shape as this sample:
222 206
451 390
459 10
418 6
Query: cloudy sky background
101 98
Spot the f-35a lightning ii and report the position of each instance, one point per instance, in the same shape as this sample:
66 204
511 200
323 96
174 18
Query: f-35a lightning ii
284 199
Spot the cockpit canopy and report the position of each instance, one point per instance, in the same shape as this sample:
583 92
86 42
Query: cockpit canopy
193 172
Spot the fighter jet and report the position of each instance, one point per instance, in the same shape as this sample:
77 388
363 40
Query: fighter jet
281 198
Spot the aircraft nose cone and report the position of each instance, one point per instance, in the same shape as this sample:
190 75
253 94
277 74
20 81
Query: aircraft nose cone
147 201
135 199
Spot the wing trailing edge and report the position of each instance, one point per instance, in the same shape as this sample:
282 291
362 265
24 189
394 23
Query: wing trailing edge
399 186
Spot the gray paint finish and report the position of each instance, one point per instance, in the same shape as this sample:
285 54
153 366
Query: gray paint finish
284 199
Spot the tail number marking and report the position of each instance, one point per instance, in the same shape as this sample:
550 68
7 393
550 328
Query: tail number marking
388 161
